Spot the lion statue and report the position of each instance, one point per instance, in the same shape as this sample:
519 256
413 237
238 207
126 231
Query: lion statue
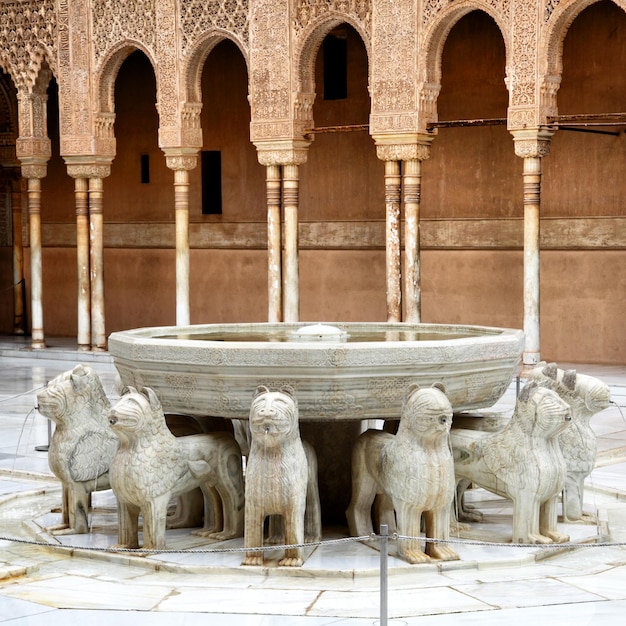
413 471
82 446
281 477
585 396
152 466
522 462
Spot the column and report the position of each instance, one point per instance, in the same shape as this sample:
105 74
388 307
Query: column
19 320
81 199
392 205
291 283
96 263
34 174
531 145
181 161
412 180
274 243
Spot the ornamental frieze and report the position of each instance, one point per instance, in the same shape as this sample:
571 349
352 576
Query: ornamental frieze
199 16
115 21
308 11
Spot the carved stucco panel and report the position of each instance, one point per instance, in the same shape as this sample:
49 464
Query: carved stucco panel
167 67
432 8
308 11
115 21
199 16
523 75
270 77
394 63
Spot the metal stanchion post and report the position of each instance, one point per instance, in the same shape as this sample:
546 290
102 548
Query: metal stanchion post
384 535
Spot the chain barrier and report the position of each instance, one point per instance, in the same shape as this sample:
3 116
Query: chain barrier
24 393
327 542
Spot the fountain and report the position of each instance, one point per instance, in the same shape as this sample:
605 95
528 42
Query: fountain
349 371
341 375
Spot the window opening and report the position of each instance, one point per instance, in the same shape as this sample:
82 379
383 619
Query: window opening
211 163
145 169
336 65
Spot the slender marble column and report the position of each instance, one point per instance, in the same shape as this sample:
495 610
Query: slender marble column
531 145
19 327
82 257
291 286
532 194
412 175
392 204
36 281
181 204
96 258
274 243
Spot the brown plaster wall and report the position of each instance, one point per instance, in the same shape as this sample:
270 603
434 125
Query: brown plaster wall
353 186
581 306
584 174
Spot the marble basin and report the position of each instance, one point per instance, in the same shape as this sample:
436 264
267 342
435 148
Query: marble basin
358 373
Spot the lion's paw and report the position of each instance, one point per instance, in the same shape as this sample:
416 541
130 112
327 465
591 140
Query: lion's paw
415 556
537 539
442 552
557 537
253 560
291 561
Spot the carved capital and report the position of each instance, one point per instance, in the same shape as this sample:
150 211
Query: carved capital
532 143
34 170
181 158
282 152
88 167
403 147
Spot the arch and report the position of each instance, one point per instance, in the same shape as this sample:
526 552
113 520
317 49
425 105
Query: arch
310 40
557 28
107 73
437 32
196 59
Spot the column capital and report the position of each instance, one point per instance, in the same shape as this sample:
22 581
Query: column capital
282 152
181 158
404 147
88 166
34 167
532 142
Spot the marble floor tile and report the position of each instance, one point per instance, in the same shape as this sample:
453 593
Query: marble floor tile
400 603
78 592
508 594
239 601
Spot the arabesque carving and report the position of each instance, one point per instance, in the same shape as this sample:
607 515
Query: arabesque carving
199 16
115 21
307 11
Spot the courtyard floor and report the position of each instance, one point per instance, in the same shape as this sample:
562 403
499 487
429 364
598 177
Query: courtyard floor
52 580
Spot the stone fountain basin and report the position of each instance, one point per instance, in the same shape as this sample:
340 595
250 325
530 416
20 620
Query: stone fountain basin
213 370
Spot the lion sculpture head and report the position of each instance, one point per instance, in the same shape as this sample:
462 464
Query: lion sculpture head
74 397
426 412
274 415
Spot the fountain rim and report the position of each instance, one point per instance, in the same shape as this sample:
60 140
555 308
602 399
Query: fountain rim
473 334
